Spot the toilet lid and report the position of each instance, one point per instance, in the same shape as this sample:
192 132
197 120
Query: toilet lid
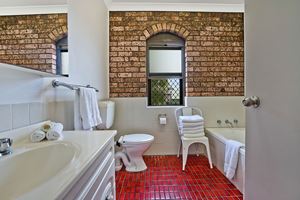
137 138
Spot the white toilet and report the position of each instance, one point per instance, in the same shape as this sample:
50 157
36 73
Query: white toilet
134 145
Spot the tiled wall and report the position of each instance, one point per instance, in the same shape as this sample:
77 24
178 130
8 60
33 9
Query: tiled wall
14 116
132 116
29 40
214 51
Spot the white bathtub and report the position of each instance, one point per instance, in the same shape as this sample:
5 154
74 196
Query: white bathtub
217 138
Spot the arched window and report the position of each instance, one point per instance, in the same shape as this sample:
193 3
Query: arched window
165 70
62 57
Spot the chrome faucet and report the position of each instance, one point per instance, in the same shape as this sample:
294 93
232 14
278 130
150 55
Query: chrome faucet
228 122
5 146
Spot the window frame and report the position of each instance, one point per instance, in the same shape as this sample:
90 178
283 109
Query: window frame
180 76
61 46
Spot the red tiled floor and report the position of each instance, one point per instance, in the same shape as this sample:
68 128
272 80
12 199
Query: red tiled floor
164 179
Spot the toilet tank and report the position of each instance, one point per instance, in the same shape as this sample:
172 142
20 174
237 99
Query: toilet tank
107 113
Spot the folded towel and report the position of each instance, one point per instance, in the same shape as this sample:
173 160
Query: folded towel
231 157
196 128
190 119
55 132
191 132
37 136
191 124
194 135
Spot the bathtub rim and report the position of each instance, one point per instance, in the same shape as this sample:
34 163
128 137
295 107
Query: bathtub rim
221 138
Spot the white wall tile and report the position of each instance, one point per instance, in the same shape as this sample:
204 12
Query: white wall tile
20 115
133 116
36 112
5 117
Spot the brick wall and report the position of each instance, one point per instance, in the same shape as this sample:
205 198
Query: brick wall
214 51
29 40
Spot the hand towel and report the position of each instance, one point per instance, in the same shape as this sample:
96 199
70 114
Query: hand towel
190 119
55 132
86 110
231 157
37 136
77 117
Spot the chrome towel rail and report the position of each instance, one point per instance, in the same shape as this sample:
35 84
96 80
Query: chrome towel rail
56 83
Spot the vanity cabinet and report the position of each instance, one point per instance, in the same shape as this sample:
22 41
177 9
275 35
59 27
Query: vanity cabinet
98 181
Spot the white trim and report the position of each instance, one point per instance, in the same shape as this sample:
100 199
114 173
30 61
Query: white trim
191 7
31 10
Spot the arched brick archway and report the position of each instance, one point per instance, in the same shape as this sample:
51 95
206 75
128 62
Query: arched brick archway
166 27
175 29
58 33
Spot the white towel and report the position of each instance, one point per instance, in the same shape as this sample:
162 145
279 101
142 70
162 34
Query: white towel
37 136
191 124
231 157
196 128
190 119
192 132
55 132
194 135
86 110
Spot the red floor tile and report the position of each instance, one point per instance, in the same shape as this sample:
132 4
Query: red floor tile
164 179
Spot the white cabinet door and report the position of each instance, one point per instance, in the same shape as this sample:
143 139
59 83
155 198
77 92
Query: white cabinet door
272 36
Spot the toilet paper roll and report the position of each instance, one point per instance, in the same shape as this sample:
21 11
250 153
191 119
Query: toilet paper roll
163 120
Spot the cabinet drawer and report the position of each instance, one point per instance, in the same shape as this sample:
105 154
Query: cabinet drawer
98 168
104 186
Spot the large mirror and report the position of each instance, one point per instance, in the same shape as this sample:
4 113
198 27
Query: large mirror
38 42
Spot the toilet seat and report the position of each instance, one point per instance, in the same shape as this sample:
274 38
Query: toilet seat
137 139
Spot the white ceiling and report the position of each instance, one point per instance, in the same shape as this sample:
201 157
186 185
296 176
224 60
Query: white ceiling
12 7
14 3
182 1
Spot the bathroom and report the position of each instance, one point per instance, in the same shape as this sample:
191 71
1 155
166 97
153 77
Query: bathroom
229 48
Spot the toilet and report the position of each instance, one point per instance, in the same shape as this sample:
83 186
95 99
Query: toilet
134 145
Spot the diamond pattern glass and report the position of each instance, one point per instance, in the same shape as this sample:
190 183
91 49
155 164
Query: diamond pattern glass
165 92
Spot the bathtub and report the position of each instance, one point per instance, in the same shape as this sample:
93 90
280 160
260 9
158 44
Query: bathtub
217 138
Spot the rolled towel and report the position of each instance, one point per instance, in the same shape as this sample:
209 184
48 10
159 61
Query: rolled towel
55 132
37 136
191 118
46 127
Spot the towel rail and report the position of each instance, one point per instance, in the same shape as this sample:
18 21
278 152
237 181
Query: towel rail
56 83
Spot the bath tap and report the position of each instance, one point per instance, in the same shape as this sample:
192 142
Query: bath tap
5 146
228 122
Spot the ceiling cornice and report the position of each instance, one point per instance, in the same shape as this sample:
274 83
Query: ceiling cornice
31 10
192 7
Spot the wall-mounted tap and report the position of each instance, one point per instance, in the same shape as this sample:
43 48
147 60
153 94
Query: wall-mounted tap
5 146
229 123
235 121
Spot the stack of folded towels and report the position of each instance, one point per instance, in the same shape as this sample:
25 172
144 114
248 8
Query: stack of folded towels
191 126
49 131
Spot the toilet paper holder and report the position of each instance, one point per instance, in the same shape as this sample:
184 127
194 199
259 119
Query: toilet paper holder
162 118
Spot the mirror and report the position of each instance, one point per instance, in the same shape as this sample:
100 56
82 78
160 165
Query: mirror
37 42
